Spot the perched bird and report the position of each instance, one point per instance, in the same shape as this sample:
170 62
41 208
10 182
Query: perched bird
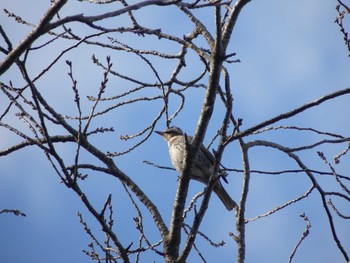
203 165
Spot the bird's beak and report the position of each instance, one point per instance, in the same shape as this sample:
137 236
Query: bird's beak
159 132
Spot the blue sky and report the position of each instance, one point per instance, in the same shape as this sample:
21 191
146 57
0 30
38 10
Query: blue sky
292 53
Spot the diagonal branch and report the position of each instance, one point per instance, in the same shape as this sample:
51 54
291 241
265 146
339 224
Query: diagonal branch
315 184
32 36
227 32
290 114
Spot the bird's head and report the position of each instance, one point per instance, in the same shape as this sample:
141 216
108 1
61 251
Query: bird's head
170 133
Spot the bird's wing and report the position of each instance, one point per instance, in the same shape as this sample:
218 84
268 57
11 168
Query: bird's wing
208 155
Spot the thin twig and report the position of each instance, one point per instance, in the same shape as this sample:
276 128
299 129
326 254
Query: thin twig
303 236
336 210
306 194
12 211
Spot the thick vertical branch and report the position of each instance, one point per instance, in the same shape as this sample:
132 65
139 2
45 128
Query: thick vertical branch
227 32
172 246
240 217
172 242
200 215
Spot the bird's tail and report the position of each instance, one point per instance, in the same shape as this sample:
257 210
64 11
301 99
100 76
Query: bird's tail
224 196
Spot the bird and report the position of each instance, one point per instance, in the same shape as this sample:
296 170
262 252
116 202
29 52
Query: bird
203 166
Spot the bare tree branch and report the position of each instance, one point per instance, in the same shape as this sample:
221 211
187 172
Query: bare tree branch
173 66
304 235
12 211
40 29
290 114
